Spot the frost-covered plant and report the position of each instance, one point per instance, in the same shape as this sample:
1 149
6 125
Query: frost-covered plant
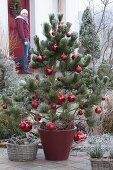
96 152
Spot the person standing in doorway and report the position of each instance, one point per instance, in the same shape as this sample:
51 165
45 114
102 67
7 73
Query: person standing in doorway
23 32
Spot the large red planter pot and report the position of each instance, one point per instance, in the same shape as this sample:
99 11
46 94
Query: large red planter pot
56 144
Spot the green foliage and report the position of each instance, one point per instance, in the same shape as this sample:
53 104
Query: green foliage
96 152
88 37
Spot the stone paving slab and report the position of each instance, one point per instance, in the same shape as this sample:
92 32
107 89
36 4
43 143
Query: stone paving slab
76 161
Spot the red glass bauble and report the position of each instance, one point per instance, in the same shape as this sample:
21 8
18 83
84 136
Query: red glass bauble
34 97
39 58
54 47
51 126
68 34
103 98
98 110
53 106
61 99
48 71
22 115
4 106
71 98
79 136
80 112
22 125
35 104
63 57
74 56
78 69
53 33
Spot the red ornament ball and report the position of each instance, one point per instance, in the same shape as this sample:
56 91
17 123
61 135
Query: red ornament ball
80 112
35 104
34 97
22 125
103 98
63 57
61 98
27 128
98 110
37 117
4 106
51 126
79 136
78 69
68 34
39 58
53 106
48 71
71 98
53 33
54 47
74 56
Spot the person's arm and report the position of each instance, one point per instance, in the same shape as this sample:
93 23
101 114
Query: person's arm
20 28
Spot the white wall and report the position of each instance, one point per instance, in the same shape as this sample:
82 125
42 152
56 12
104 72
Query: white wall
39 12
70 9
3 24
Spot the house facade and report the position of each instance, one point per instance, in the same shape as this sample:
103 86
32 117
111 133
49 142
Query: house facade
38 14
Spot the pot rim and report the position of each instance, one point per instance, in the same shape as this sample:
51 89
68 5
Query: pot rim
31 144
75 128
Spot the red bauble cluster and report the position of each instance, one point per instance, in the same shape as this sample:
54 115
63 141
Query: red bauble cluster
68 34
39 58
74 56
37 117
53 106
71 98
61 99
35 104
25 126
51 126
55 47
98 110
63 57
48 71
4 106
79 136
78 69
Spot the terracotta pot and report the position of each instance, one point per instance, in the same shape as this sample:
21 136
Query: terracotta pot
56 144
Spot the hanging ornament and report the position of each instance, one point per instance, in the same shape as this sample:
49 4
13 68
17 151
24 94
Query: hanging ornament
68 34
35 104
53 33
27 128
37 117
61 99
103 98
54 47
34 97
63 57
74 56
78 69
22 125
39 58
80 112
53 106
51 126
48 71
71 98
79 136
98 110
4 106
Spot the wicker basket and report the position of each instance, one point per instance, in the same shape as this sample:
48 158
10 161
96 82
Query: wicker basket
22 152
101 164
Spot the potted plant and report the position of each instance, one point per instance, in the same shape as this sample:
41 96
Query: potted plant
22 148
65 92
97 159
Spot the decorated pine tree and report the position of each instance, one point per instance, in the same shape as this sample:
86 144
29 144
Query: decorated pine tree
89 40
66 91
